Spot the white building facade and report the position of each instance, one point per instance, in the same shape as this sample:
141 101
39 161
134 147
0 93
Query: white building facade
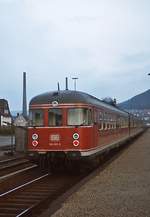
5 116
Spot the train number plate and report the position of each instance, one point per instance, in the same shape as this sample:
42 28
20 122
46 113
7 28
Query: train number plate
55 137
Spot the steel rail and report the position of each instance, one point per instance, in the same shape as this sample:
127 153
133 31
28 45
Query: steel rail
17 172
10 159
21 186
15 163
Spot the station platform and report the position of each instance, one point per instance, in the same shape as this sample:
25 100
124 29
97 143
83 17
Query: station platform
122 189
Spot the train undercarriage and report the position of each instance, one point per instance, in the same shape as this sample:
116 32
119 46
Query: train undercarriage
56 162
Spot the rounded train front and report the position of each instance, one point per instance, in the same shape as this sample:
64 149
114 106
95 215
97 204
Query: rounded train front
60 128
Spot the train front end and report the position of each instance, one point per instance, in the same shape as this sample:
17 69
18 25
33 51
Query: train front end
60 130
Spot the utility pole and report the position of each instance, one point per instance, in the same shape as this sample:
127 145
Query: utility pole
24 105
58 86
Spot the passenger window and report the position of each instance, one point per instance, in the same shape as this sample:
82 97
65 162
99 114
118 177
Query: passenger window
100 126
100 116
104 126
55 117
36 118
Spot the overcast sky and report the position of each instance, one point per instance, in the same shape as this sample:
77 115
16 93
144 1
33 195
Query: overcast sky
105 43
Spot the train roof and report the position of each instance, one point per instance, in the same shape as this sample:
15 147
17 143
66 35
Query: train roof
70 96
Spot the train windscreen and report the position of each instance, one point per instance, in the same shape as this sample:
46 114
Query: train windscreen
55 117
36 118
79 117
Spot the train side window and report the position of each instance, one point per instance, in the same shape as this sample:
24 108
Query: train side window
79 116
101 126
104 126
55 117
100 116
36 118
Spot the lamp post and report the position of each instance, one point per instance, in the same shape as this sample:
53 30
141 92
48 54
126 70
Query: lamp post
75 78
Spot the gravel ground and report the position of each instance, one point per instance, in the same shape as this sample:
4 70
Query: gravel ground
121 190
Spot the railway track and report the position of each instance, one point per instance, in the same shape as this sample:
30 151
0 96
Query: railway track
24 199
35 196
10 166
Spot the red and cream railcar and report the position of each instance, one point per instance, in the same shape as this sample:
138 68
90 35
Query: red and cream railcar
75 125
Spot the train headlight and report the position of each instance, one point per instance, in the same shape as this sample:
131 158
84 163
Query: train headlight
75 136
35 136
34 143
75 142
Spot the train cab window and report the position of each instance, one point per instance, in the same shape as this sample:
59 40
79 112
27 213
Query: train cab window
55 117
36 118
79 117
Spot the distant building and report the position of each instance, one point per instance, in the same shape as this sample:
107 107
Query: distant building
143 114
20 121
5 115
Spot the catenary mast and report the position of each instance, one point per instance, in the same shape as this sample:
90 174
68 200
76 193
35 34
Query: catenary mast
24 106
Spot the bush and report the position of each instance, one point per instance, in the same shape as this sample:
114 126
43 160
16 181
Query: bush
6 130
